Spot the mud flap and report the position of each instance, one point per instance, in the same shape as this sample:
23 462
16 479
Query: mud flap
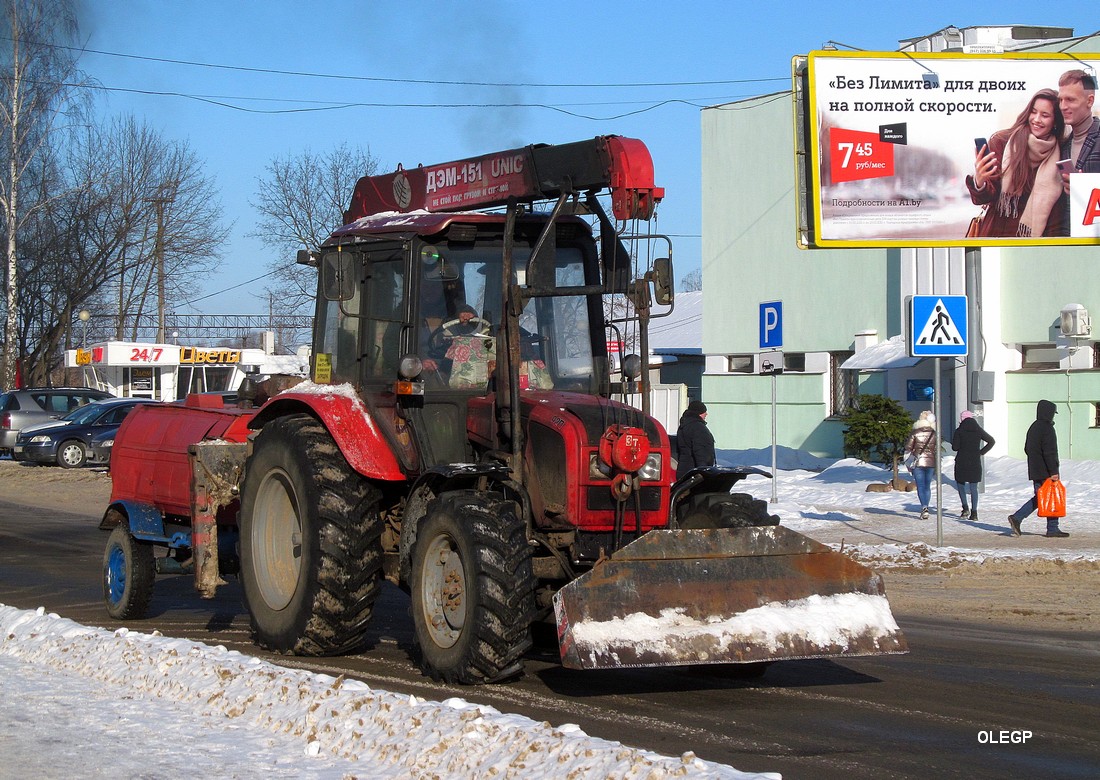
737 595
216 469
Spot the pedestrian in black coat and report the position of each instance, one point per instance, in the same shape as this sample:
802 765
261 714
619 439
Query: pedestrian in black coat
970 442
1041 448
694 442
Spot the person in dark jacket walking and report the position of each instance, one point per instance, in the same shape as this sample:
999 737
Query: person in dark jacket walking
694 442
1041 448
970 442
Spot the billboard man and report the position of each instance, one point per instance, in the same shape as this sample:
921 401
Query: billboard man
1076 93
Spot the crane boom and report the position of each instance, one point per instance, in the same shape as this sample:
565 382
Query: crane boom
530 173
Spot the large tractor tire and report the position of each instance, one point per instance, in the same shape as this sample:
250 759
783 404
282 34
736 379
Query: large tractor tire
311 551
725 510
472 589
128 574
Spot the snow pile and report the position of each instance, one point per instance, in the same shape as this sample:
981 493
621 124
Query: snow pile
382 734
924 557
825 622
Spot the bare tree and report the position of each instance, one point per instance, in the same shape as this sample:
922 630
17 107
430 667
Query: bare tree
94 248
693 280
35 79
300 200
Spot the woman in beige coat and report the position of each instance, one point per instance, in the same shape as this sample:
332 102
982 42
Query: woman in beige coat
921 448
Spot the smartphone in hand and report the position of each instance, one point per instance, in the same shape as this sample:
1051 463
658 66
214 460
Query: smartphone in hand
979 143
1065 166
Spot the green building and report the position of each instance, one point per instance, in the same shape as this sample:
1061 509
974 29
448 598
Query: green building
849 305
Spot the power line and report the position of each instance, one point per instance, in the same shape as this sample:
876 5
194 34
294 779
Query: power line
223 101
227 289
381 79
340 106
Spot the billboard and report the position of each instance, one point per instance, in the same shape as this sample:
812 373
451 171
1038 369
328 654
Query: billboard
929 149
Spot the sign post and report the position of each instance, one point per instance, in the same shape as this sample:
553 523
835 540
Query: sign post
938 329
771 338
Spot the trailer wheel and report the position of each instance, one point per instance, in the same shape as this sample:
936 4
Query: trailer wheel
472 589
71 454
128 574
311 551
725 510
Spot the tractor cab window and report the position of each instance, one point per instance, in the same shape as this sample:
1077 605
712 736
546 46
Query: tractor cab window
559 350
459 316
385 315
337 358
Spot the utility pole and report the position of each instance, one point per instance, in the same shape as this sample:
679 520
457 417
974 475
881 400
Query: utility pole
166 193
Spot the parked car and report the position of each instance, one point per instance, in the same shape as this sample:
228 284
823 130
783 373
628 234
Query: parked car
101 445
34 405
66 442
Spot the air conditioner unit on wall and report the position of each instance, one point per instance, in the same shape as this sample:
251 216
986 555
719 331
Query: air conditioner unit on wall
1075 322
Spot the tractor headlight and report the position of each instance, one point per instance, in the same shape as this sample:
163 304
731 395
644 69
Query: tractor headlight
632 367
652 468
596 469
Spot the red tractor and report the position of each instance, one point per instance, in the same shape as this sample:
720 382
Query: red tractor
459 437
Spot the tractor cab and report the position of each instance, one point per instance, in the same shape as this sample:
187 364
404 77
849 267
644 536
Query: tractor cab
417 321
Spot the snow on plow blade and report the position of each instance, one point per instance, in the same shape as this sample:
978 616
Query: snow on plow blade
735 595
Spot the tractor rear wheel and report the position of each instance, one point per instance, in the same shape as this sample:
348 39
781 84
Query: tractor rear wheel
311 552
472 589
128 574
725 510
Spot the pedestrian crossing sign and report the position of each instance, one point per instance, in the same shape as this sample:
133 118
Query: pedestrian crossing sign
937 326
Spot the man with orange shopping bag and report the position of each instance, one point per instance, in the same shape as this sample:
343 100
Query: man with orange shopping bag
1041 448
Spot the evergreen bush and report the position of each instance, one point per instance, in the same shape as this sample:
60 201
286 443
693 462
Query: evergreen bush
877 428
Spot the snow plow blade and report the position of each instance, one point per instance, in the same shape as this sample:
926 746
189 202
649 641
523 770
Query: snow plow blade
737 595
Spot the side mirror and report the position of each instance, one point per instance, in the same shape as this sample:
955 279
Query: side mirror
662 281
337 276
307 257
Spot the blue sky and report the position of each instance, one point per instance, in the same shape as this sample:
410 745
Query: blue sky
560 72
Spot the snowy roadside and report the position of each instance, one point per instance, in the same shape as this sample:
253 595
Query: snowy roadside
828 501
79 699
102 692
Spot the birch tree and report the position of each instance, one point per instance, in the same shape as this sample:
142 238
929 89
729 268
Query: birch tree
36 80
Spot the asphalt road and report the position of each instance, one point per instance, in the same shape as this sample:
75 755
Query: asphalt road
967 701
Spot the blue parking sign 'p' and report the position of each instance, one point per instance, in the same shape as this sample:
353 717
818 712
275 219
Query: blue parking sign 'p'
771 325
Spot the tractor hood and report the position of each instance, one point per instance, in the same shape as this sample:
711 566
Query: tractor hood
594 415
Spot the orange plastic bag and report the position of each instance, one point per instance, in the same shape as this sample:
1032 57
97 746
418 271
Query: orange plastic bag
1052 499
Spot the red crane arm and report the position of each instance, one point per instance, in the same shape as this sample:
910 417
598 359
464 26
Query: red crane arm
537 172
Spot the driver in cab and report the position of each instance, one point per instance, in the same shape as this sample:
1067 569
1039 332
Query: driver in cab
454 341
439 297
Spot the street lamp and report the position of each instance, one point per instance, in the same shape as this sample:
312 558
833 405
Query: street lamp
84 316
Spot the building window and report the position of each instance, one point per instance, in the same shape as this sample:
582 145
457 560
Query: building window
1039 357
844 385
741 364
1096 354
794 361
1096 415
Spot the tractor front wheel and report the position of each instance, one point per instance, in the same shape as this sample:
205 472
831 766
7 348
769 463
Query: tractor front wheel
472 589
